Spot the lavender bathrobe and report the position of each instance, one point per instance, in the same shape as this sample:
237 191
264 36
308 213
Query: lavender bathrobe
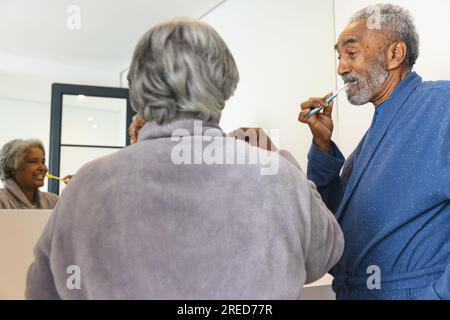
137 225
12 197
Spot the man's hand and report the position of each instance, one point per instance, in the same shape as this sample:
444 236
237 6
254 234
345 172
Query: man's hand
255 137
321 124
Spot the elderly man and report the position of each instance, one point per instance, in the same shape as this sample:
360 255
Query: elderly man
135 127
392 196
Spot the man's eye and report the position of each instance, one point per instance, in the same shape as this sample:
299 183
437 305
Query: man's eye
351 54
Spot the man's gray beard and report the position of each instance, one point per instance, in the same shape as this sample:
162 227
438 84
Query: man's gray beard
377 75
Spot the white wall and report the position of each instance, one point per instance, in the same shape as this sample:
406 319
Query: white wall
57 72
284 52
433 26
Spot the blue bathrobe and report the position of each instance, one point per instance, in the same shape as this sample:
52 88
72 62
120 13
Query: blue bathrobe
392 198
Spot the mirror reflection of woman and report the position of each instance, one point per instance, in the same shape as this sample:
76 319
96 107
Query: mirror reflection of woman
23 171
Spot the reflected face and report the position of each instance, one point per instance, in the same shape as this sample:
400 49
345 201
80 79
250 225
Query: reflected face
32 170
362 60
134 129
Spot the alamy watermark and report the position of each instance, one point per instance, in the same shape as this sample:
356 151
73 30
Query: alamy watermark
374 21
374 280
207 147
73 282
74 17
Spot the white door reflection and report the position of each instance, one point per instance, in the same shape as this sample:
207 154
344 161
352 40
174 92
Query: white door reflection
91 127
94 121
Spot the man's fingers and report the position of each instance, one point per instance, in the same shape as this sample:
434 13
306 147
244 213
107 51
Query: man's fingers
327 111
302 117
312 103
309 106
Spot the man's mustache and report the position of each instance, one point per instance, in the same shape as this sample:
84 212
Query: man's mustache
351 78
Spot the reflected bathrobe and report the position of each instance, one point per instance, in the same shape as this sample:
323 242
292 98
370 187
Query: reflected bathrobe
12 197
392 198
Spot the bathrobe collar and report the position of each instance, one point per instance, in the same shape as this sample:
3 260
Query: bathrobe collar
397 102
186 126
14 189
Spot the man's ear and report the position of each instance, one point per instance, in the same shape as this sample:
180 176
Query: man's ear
396 55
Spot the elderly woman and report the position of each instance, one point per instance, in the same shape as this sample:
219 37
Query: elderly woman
167 218
22 171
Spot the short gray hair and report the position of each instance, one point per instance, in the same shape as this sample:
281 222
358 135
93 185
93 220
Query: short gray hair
181 67
399 22
12 154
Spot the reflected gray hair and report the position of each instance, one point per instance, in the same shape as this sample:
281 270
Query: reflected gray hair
135 118
399 22
181 67
13 153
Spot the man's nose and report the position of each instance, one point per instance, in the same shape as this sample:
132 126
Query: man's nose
343 68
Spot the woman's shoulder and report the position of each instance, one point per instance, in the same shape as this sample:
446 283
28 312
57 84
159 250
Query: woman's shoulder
4 193
5 199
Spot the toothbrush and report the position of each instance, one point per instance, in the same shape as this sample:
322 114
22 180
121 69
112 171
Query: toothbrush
50 176
317 110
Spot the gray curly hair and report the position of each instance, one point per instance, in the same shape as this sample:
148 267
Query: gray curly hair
179 67
398 21
12 154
